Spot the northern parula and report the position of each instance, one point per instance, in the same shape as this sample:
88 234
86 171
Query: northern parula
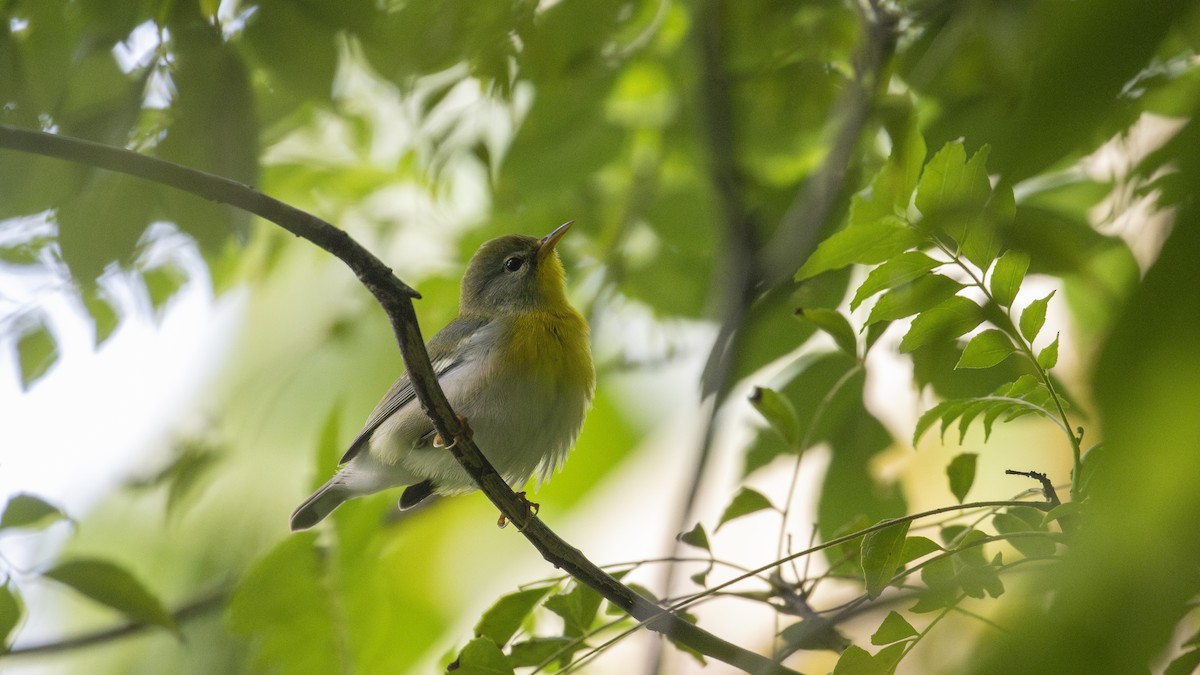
516 364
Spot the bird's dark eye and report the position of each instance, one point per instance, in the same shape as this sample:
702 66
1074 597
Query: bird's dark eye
513 264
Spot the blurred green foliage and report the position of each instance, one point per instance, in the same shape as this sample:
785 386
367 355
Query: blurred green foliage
424 128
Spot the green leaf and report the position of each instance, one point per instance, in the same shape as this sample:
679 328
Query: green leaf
1007 276
779 412
103 314
941 591
113 586
982 243
889 657
695 537
481 656
950 182
162 283
1048 357
973 573
28 511
881 553
1064 510
813 633
832 322
745 502
947 320
893 628
535 651
857 661
917 547
501 621
961 472
37 351
986 350
1186 663
930 416
188 471
956 195
284 608
10 614
1007 523
577 608
917 296
867 244
900 270
1034 316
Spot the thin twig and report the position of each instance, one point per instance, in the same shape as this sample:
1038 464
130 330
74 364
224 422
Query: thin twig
195 609
1048 490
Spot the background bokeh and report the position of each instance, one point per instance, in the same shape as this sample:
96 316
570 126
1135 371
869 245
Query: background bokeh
178 375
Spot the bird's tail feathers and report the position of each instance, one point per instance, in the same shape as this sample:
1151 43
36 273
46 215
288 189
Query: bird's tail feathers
322 502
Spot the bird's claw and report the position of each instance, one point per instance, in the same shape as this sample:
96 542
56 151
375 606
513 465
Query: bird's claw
531 509
464 431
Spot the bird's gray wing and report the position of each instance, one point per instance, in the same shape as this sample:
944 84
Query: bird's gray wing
443 355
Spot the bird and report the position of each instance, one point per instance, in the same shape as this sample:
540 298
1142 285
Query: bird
515 364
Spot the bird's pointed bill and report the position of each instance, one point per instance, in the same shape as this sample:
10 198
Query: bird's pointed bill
547 243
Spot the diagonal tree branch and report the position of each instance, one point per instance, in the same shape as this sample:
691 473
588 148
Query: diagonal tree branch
396 299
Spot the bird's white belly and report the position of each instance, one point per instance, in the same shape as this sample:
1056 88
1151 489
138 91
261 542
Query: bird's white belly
519 440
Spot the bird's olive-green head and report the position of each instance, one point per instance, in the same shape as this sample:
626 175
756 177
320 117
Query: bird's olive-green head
515 273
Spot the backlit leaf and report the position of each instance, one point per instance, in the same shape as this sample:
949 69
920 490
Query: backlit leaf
1034 316
10 614
745 502
900 270
501 621
1007 523
779 412
832 322
284 608
481 656
29 511
946 320
577 607
882 551
1048 357
917 296
986 350
536 650
867 244
857 661
893 628
695 537
961 472
113 586
37 350
1007 276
